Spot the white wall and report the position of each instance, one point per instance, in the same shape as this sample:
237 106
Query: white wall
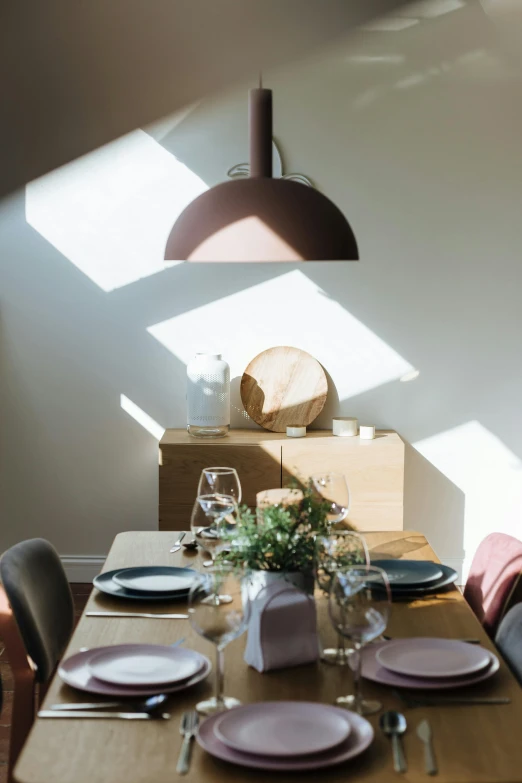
416 136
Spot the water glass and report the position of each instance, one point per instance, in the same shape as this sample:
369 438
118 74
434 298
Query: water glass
359 604
215 508
220 481
220 622
333 488
333 552
207 536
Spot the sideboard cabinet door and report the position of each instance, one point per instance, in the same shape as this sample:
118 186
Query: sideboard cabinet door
258 466
374 470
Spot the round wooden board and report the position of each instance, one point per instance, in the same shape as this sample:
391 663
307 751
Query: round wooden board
284 387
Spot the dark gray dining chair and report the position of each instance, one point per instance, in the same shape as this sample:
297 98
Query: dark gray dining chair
36 623
509 640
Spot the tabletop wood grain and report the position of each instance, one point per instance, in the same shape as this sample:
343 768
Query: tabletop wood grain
479 744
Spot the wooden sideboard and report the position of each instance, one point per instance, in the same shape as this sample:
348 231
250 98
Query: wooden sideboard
264 460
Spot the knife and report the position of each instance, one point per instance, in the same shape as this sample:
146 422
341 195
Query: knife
410 597
138 614
424 733
100 714
468 640
440 701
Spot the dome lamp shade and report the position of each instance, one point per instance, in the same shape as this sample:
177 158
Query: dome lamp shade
261 219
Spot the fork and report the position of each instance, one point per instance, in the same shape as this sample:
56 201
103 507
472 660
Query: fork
189 726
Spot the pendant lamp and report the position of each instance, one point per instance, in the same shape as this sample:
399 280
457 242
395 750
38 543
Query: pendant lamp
261 218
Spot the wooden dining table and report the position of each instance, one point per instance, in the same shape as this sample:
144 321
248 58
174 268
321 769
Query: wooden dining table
473 743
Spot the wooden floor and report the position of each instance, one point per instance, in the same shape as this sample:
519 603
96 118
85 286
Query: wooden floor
81 593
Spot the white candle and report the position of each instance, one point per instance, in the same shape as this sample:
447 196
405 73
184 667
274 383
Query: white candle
295 432
344 426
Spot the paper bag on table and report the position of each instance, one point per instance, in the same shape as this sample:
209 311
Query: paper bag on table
282 630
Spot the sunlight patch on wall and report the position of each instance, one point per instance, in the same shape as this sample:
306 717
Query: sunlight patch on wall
139 415
287 310
488 473
110 212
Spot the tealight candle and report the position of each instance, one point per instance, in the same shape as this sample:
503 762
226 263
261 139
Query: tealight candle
344 426
295 432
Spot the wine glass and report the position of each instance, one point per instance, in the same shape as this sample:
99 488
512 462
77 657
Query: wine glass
215 507
206 536
332 487
335 551
221 481
359 605
219 622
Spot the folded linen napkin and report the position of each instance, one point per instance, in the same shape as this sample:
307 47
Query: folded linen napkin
282 631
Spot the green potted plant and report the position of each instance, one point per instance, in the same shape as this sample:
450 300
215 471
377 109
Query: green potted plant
279 542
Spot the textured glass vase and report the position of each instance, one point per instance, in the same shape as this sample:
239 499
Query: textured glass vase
208 396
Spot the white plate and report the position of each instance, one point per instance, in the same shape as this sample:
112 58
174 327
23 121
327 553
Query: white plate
144 665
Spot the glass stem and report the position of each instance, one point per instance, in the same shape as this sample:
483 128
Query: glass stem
357 692
341 649
220 675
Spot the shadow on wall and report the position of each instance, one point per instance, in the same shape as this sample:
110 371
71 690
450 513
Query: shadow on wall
331 406
74 466
434 504
421 181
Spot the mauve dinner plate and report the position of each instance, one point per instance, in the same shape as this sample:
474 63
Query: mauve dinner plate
427 657
106 584
360 737
372 670
283 728
145 665
75 671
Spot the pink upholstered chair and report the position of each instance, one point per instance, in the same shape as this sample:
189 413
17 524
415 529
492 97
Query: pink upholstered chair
494 583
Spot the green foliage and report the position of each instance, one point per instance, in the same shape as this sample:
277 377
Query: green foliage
284 540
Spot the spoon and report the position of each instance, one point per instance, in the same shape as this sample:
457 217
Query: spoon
150 705
393 724
177 545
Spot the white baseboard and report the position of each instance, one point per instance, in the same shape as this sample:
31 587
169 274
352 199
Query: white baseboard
82 568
